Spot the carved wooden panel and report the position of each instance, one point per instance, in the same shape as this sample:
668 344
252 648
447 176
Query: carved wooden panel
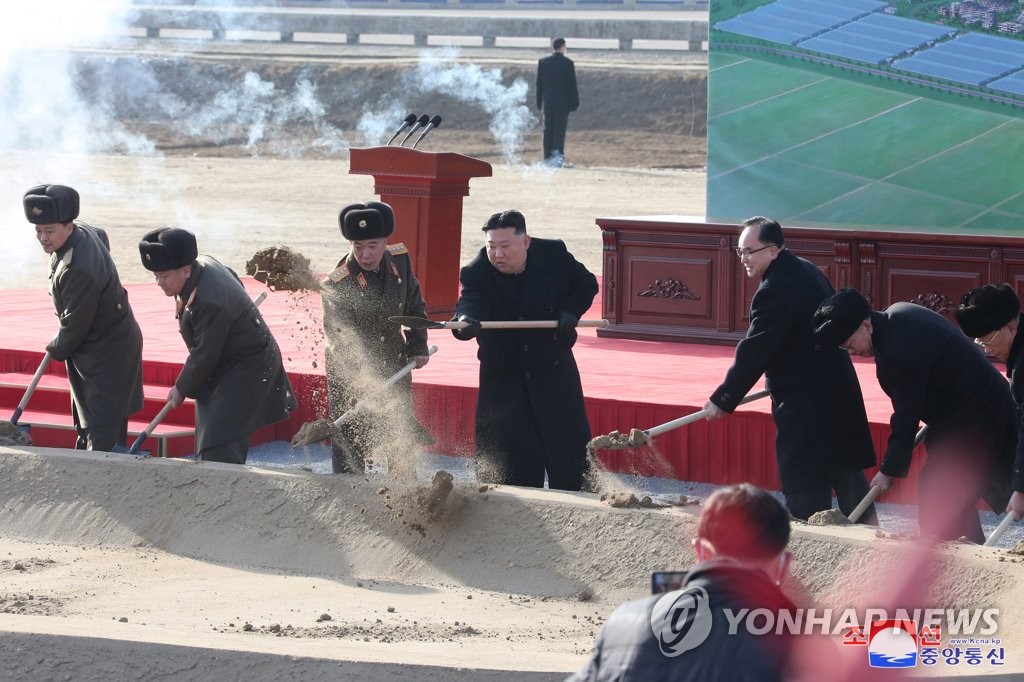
668 289
671 277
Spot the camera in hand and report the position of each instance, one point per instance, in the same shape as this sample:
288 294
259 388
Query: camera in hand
667 581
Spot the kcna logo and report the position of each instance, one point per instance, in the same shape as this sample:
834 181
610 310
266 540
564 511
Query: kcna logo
681 620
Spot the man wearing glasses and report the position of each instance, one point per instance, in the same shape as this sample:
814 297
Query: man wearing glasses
991 315
822 438
933 374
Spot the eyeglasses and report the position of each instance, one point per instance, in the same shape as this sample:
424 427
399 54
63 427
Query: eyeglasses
986 344
747 253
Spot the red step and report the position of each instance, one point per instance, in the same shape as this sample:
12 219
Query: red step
53 395
57 430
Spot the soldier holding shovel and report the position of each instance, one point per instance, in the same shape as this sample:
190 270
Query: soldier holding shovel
372 282
234 369
99 340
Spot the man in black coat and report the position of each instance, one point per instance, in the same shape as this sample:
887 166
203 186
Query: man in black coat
98 340
684 635
933 374
372 282
530 417
822 437
234 369
991 315
557 95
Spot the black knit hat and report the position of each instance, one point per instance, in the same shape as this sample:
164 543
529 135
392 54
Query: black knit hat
986 309
167 248
838 317
48 204
372 220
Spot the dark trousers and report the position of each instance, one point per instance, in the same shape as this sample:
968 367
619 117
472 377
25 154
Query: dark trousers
850 487
234 452
555 125
518 456
100 438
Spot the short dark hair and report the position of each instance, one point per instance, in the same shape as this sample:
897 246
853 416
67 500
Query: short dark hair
766 230
510 218
558 43
744 522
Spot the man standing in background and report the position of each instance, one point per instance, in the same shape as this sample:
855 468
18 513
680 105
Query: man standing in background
557 95
99 340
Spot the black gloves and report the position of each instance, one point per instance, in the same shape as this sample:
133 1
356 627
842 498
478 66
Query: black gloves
468 332
566 322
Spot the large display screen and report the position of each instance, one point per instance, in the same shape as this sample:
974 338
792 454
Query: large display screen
860 113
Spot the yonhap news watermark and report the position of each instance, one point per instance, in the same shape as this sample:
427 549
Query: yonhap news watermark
682 620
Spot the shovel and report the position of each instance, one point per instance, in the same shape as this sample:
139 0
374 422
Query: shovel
321 429
413 322
875 490
1007 521
638 438
168 406
28 394
134 449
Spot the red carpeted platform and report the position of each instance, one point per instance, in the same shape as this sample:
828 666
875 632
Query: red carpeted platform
627 384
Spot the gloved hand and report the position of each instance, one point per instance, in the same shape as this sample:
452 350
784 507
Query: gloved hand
466 333
566 322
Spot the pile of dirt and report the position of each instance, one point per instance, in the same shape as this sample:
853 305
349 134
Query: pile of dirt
12 435
282 269
828 517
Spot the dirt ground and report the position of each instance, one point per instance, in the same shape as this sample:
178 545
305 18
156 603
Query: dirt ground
251 172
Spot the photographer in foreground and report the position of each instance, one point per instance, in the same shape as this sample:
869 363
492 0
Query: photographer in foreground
684 635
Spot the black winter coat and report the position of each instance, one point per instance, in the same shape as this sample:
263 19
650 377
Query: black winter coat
1015 373
99 340
936 375
627 648
537 363
556 85
817 404
234 368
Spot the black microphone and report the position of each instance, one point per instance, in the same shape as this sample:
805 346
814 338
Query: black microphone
423 120
434 122
409 120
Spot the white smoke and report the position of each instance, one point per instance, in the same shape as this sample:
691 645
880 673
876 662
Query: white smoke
438 71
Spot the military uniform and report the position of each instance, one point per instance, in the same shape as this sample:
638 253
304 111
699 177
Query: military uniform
99 340
234 368
530 416
364 348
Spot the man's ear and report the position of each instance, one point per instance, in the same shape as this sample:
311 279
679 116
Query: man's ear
703 549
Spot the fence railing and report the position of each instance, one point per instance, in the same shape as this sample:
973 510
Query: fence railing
288 21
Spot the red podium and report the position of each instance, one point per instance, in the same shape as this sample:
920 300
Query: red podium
425 190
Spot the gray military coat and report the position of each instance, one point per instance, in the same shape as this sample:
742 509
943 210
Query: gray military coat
363 348
234 368
99 340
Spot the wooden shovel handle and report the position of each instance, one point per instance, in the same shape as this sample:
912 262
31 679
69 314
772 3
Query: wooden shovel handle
31 388
697 416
